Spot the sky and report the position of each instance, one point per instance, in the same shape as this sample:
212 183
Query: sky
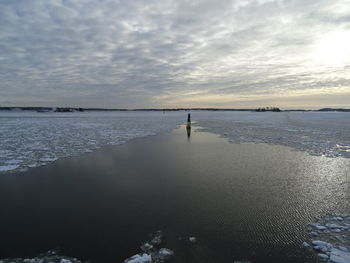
175 53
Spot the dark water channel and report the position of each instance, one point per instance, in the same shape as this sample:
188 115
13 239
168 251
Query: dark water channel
242 202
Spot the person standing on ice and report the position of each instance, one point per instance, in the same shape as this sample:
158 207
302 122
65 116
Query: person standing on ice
188 126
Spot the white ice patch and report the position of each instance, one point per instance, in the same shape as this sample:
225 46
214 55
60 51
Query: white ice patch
47 159
37 139
144 258
50 257
332 246
192 239
165 252
30 139
6 168
338 256
319 133
151 251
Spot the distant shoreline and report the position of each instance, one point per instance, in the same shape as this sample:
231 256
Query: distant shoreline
71 109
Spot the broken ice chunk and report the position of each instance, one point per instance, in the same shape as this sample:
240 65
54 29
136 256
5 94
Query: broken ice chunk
192 239
323 256
145 258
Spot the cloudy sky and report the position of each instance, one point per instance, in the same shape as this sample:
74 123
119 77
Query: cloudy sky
175 53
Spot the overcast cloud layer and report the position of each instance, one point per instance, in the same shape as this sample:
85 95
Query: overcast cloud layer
146 53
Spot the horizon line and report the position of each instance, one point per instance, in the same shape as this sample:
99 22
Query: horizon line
170 109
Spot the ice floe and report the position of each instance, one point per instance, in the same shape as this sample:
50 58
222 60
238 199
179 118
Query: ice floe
192 239
152 251
333 238
49 257
30 139
318 133
144 258
5 168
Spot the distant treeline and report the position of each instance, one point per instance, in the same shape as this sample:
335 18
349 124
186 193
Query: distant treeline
331 109
274 109
72 109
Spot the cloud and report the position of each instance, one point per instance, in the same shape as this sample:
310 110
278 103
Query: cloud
112 53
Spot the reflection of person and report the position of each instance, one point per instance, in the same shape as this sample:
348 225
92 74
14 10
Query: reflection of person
188 129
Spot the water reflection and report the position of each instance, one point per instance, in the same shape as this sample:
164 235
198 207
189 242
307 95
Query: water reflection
242 201
188 126
188 129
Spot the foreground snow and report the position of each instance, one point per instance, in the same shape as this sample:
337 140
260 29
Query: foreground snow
30 139
318 133
330 238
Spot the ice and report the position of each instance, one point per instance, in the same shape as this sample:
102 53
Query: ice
6 168
343 249
48 257
145 258
14 161
146 247
306 245
47 159
157 238
320 243
322 246
332 247
318 133
165 252
30 139
192 239
35 139
323 256
152 252
333 226
338 256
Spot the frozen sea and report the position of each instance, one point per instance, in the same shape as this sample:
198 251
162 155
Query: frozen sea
95 184
31 139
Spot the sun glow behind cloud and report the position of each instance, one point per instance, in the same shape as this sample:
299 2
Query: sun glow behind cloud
333 49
